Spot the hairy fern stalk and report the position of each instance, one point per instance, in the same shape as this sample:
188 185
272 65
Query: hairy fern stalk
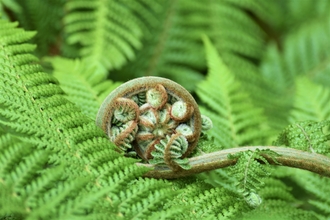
259 69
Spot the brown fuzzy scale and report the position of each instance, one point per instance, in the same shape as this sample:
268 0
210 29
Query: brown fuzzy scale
167 108
144 137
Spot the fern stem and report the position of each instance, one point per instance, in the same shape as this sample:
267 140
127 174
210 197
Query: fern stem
289 157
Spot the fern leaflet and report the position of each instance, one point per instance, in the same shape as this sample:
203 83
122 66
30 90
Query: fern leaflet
234 117
83 86
307 136
111 40
34 110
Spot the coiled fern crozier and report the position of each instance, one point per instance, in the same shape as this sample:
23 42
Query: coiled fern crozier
258 69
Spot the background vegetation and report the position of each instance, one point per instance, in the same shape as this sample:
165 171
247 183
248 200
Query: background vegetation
262 66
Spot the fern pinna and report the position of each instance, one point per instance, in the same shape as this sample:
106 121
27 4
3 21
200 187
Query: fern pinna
258 69
33 109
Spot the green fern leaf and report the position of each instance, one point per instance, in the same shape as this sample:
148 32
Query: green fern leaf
274 188
83 86
43 17
311 102
306 135
133 207
111 40
200 200
279 210
316 186
305 54
169 47
173 48
300 14
56 164
234 117
34 110
216 203
29 184
250 174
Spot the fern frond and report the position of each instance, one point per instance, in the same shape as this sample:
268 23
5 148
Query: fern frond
153 198
34 110
82 85
274 188
279 210
169 48
317 187
234 117
269 187
304 53
174 49
307 136
177 146
251 42
300 14
218 203
45 18
311 102
11 154
8 4
27 182
107 40
242 47
56 164
200 200
250 174
261 9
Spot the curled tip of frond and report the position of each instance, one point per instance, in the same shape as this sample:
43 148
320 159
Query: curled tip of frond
253 200
157 97
181 111
207 123
169 151
150 112
126 110
186 131
124 134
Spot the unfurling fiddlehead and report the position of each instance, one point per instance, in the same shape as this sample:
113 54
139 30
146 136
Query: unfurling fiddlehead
155 117
160 121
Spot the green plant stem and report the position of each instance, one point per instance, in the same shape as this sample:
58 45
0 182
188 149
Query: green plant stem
289 157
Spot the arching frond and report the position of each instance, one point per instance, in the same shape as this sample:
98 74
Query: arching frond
34 110
201 200
268 67
306 135
169 47
303 13
31 188
174 49
304 53
311 102
45 18
82 85
250 175
277 209
317 186
107 39
234 117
